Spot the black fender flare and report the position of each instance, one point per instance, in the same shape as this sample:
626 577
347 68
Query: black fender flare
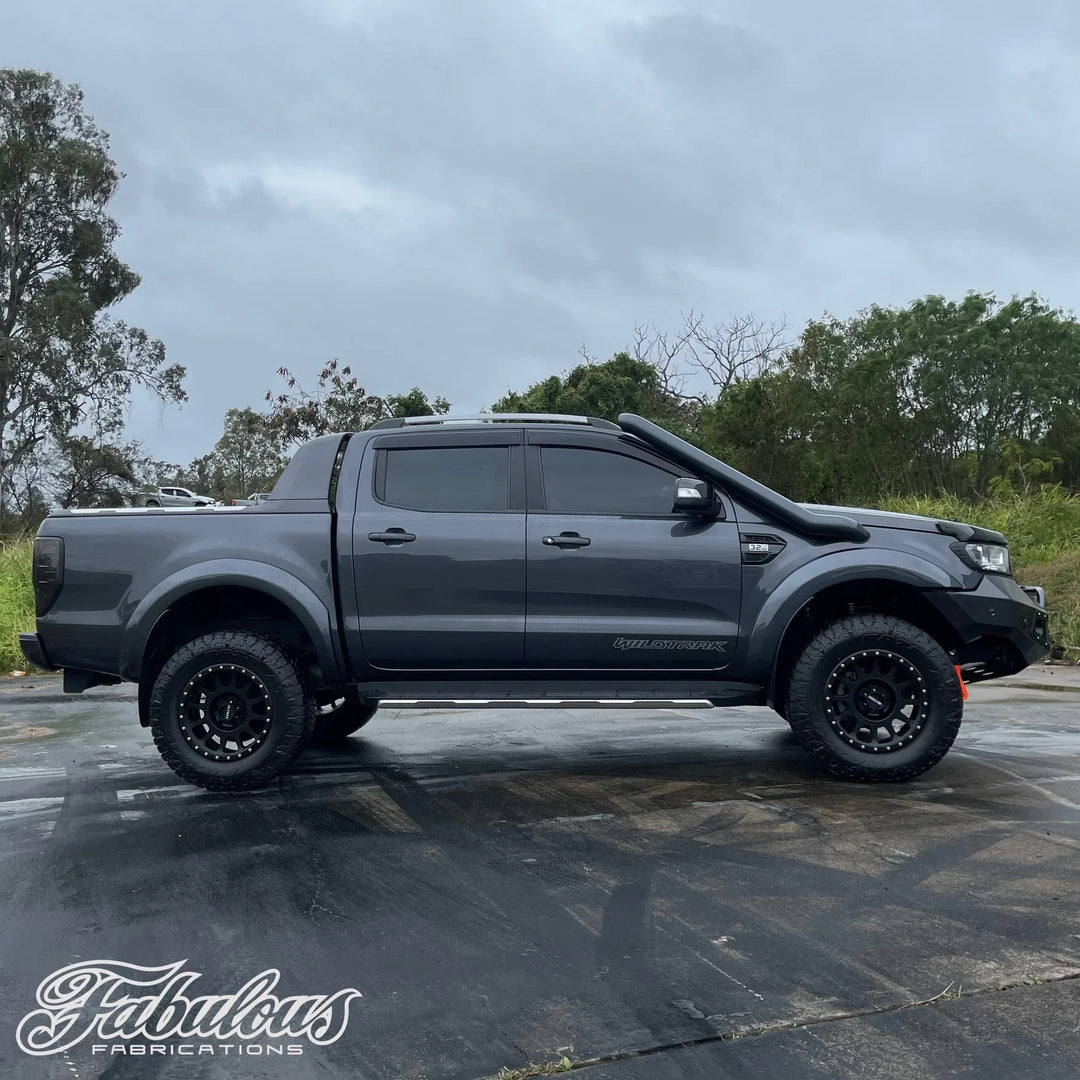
298 598
784 603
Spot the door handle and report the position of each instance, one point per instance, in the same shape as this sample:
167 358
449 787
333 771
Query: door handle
567 540
392 536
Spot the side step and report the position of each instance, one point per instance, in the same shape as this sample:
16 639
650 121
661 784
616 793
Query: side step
538 691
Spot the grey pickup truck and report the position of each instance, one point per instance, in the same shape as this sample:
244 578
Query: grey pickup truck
522 556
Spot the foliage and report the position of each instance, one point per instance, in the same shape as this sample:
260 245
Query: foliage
247 458
91 474
938 396
16 601
758 427
338 403
66 367
1060 576
1039 526
415 403
621 384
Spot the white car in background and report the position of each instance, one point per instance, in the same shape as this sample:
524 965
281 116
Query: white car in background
177 496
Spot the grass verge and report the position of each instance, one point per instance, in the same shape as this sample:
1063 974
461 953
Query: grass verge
16 601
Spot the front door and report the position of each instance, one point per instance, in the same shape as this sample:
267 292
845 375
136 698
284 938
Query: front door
616 580
439 551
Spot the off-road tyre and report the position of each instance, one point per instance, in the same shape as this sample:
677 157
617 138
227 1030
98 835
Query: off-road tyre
229 711
337 720
873 698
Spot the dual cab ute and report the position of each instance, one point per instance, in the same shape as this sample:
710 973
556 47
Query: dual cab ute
514 556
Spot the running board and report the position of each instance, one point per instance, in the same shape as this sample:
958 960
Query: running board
559 690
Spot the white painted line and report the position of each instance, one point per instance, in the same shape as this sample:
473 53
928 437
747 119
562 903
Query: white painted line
31 772
18 808
173 791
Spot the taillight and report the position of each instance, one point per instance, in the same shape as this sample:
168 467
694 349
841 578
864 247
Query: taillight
48 571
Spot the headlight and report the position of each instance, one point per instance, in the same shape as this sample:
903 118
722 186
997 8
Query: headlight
990 558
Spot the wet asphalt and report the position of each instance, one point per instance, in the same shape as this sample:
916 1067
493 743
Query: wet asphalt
651 892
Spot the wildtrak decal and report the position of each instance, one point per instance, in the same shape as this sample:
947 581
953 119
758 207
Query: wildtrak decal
700 645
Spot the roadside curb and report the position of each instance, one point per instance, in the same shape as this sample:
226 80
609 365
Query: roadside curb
1055 688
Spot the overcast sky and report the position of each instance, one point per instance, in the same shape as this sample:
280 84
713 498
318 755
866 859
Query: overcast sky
459 195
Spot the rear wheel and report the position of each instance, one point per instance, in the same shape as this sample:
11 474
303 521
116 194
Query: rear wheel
874 698
338 719
229 711
152 502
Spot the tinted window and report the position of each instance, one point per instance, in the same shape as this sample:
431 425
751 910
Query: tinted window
467 478
596 482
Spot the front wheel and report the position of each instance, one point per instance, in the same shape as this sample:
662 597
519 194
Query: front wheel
874 698
229 711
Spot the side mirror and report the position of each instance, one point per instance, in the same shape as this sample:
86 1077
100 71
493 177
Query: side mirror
695 497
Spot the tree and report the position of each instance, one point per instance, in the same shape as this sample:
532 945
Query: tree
759 427
65 365
338 403
722 355
415 403
246 458
621 384
963 396
932 397
90 474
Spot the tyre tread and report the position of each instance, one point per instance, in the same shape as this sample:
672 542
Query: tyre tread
889 633
297 721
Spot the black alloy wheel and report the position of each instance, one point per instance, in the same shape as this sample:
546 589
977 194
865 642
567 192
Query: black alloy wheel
876 700
225 712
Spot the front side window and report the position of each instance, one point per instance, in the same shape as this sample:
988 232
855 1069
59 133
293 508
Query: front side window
466 479
598 482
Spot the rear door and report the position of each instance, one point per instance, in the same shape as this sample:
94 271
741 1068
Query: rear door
439 550
616 579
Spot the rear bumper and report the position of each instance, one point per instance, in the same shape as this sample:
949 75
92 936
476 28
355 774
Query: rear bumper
1001 629
33 648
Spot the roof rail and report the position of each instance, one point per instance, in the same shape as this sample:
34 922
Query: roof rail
518 418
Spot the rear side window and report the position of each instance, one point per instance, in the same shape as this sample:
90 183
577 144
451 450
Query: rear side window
466 479
582 481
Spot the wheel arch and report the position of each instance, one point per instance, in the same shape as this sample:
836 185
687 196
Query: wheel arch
836 580
855 596
230 591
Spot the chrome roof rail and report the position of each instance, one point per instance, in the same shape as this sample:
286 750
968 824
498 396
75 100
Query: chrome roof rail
490 418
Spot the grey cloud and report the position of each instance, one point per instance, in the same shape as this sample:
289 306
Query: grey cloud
703 54
460 195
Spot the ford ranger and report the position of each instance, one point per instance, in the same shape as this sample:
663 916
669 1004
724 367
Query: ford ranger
535 556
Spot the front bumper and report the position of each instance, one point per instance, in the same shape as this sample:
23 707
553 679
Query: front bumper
33 648
1000 628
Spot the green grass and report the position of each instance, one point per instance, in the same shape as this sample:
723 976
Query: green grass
1039 527
16 602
